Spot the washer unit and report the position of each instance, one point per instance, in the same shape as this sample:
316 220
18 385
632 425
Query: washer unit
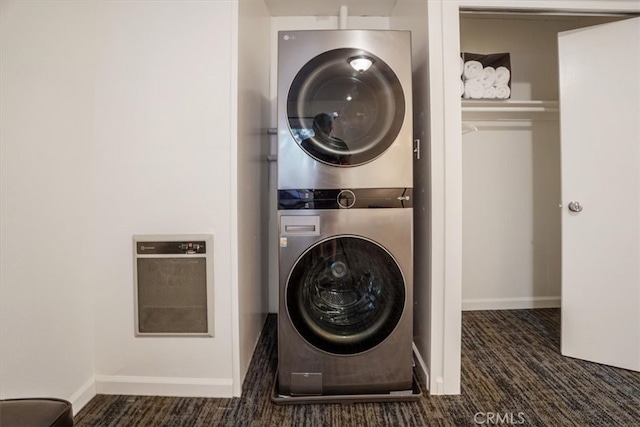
345 282
344 109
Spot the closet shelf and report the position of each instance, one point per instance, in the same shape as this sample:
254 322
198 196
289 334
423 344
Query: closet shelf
509 110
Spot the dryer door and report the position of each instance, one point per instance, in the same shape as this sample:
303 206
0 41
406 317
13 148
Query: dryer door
345 295
345 107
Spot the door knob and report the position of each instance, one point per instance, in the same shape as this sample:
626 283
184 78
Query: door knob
575 207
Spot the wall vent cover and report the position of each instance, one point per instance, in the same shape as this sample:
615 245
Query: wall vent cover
173 285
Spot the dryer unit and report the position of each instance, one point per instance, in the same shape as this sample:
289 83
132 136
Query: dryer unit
344 109
345 314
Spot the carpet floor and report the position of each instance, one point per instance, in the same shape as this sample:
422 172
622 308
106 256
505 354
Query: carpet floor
512 374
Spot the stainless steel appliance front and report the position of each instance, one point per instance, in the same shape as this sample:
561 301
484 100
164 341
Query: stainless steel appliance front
344 109
345 314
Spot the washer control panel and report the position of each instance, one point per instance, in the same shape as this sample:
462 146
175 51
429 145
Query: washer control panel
360 198
346 199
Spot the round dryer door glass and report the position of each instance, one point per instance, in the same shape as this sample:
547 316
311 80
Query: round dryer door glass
345 295
345 107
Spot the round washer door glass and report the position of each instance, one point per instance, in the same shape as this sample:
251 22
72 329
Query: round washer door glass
345 107
345 295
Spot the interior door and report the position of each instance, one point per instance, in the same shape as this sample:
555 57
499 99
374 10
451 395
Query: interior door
600 149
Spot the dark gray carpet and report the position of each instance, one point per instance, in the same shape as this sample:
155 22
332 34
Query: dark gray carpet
512 374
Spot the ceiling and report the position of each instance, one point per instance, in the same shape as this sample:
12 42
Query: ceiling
330 7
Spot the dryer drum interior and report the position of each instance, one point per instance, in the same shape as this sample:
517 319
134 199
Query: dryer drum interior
345 295
341 115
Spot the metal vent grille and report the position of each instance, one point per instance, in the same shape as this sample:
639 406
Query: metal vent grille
173 289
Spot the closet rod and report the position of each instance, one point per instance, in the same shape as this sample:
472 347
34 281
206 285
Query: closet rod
468 128
510 109
510 118
543 12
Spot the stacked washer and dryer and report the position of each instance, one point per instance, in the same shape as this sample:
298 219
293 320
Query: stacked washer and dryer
345 162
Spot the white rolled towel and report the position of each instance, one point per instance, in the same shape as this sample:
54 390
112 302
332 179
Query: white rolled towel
503 92
461 66
473 89
472 70
502 75
488 76
489 92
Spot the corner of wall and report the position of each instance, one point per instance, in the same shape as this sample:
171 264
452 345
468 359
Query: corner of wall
83 395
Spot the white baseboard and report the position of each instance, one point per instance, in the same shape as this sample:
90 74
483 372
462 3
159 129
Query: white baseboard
510 303
164 386
83 395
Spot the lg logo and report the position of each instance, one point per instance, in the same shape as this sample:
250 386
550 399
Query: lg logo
495 418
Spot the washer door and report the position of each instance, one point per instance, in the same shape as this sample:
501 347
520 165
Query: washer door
342 114
345 295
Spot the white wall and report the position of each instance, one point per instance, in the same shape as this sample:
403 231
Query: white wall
117 119
48 200
163 164
252 174
511 221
